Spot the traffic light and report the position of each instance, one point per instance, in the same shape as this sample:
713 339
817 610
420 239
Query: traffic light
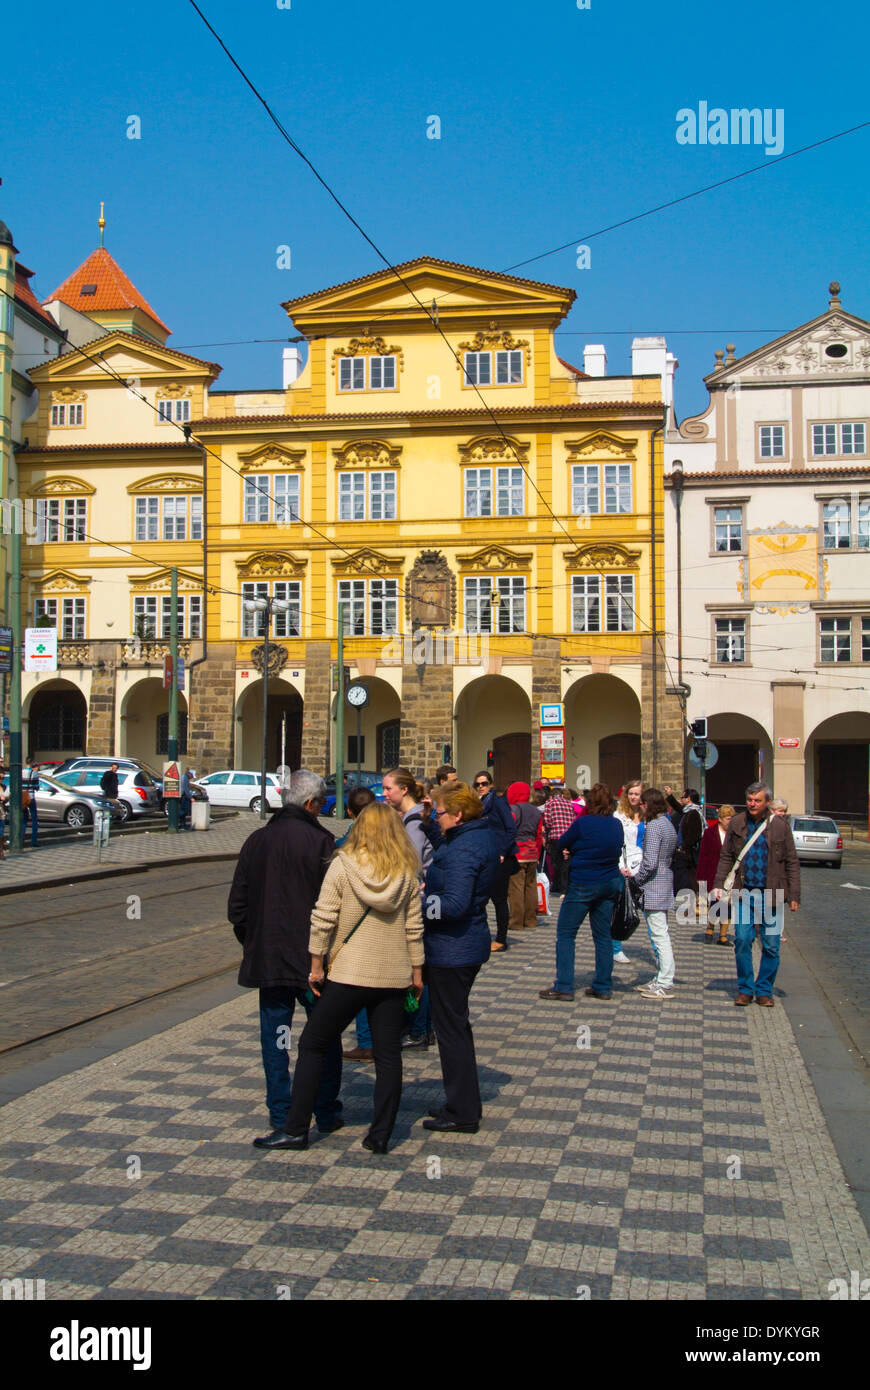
699 748
698 728
490 757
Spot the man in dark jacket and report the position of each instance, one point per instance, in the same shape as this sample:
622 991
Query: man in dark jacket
767 876
276 884
497 815
109 783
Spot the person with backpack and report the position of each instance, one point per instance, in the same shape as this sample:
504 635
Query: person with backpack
403 792
523 886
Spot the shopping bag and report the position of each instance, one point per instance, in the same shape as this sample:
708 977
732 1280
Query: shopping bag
625 918
543 894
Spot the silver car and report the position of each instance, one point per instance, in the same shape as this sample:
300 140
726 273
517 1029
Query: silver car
817 840
74 805
138 793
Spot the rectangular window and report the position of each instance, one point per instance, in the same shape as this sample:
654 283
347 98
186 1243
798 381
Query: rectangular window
194 604
256 499
511 611
509 367
730 641
727 529
836 525
478 605
836 635
254 623
351 374
174 518
585 497
617 487
352 603
382 496
147 518
478 368
865 639
586 603
196 518
771 441
166 616
145 616
174 410
289 622
619 602
47 519
509 492
351 496
66 415
863 536
75 518
847 438
73 620
382 373
45 608
284 489
384 606
478 492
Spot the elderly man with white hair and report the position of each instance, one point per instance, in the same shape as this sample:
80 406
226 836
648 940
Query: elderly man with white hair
276 884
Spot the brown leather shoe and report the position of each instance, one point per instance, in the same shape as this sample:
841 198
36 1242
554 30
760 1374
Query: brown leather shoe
743 999
359 1054
765 1001
554 994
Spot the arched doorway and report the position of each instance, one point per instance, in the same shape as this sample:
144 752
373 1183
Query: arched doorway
602 732
145 722
371 733
284 729
58 721
838 752
745 755
493 712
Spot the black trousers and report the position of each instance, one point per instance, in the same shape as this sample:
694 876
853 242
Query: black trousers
499 897
449 988
337 1007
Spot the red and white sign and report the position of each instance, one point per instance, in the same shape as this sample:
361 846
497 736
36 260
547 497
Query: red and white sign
789 742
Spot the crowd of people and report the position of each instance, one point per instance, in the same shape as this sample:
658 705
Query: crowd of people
387 927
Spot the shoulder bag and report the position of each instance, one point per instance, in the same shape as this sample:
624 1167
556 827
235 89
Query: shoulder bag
333 956
732 874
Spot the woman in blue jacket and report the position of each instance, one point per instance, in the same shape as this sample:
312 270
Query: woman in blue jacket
457 943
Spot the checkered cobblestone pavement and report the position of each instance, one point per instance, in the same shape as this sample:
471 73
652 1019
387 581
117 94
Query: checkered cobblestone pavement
681 1155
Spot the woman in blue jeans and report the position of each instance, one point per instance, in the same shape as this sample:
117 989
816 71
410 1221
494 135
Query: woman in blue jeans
595 843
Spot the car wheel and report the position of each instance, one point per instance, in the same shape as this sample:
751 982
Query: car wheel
126 812
254 805
77 816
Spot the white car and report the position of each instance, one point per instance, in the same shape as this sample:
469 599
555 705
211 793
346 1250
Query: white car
241 789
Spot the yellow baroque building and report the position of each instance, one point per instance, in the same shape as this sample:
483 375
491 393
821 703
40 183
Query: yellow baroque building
485 518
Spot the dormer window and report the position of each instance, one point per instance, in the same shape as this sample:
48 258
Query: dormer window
378 375
173 411
508 368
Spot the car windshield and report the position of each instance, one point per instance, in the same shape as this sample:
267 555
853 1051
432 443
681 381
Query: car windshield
815 825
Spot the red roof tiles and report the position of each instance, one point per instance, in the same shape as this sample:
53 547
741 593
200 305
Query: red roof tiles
25 296
114 290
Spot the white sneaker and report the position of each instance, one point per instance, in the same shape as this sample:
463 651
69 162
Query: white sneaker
621 958
657 992
648 985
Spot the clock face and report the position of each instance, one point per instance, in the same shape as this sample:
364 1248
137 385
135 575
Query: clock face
357 695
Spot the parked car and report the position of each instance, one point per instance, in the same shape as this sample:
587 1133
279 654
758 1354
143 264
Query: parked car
234 788
817 840
104 763
373 780
138 793
74 805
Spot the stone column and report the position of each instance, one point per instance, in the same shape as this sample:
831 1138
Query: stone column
427 716
546 689
789 772
318 707
101 707
210 712
665 763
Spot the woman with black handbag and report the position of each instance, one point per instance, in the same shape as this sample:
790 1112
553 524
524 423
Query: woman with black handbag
655 876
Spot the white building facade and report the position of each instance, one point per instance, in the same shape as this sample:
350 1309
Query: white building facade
768 566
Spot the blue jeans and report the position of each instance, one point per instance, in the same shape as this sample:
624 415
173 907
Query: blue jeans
277 1005
597 899
748 913
32 814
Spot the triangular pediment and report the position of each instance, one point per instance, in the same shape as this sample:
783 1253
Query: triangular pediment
834 346
122 355
457 290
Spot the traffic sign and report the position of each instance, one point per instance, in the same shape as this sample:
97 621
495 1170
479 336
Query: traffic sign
171 781
552 715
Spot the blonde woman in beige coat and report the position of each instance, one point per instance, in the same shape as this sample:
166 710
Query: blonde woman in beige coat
367 926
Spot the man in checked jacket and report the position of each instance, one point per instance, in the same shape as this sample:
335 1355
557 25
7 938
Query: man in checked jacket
770 872
557 817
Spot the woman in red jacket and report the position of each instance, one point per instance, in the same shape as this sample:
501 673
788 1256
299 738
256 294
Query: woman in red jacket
708 862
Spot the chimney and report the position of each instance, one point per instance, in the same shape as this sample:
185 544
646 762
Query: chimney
292 365
595 359
650 357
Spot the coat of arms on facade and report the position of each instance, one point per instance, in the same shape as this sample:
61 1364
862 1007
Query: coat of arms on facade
277 658
430 591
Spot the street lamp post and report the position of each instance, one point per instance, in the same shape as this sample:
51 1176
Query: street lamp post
266 606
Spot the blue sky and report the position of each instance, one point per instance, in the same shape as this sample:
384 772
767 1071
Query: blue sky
555 122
